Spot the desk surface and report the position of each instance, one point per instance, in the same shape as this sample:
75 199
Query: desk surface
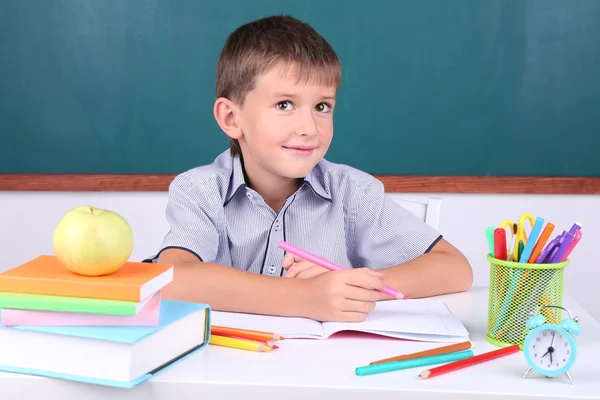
324 369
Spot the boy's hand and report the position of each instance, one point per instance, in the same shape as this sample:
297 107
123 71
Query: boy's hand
296 267
343 296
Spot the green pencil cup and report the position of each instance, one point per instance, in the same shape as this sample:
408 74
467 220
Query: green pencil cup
518 289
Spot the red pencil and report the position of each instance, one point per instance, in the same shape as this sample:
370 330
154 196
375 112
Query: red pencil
500 244
467 362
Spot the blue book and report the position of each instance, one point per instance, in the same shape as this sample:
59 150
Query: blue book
111 356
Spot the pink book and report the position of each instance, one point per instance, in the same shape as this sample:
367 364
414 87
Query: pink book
148 316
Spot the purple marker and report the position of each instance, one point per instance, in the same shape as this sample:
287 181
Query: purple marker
576 226
549 248
565 241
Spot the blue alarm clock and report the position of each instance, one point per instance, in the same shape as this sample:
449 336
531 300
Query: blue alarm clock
550 349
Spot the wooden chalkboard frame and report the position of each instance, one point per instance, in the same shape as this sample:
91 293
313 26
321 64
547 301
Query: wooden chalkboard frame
392 183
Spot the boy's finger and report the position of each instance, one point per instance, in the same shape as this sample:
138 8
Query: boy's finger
290 259
364 279
352 316
297 268
354 293
363 307
311 272
292 271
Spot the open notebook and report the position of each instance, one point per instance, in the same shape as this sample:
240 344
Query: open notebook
419 319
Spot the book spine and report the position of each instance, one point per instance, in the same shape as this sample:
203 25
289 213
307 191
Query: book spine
53 318
91 306
90 290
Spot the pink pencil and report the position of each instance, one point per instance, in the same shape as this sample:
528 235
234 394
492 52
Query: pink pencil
576 239
329 265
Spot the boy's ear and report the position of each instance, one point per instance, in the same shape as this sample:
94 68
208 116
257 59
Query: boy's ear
225 113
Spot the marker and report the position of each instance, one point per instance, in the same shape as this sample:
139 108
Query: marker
520 249
549 248
290 248
489 236
576 239
541 242
500 244
561 249
576 226
533 236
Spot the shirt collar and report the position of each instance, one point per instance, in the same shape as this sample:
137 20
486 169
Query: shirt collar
313 180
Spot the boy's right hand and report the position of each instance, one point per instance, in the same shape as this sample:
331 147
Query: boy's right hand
343 296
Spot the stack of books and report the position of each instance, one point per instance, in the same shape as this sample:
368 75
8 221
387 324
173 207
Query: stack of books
113 330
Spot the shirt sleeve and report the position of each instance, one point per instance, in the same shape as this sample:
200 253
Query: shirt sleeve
192 221
387 234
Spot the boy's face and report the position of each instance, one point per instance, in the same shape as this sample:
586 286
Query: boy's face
286 124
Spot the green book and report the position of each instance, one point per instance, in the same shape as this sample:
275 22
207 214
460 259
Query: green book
40 302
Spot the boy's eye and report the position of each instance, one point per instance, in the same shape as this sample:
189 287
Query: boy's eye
284 105
323 107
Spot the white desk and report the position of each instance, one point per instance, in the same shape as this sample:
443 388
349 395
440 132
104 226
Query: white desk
312 369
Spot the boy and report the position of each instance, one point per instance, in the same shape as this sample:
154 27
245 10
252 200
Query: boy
276 88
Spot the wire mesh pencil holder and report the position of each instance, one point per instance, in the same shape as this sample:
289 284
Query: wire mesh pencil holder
516 290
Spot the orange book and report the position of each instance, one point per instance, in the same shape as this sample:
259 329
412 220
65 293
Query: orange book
135 281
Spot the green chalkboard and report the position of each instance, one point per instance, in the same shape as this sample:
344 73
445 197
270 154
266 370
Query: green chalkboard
479 87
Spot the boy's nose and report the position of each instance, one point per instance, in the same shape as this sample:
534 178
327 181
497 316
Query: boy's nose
307 125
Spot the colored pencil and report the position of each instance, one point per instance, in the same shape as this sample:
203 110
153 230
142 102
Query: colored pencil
290 248
265 342
417 362
469 361
427 353
541 242
247 333
241 344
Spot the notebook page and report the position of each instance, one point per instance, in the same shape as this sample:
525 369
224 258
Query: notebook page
289 327
415 319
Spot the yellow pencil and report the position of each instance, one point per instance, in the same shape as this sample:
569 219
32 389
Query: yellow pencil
241 344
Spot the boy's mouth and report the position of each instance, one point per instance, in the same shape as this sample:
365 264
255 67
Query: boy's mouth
300 150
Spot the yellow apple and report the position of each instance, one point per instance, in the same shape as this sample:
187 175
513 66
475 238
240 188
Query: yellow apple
91 241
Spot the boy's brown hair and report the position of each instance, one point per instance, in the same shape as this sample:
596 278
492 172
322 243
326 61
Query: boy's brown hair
254 47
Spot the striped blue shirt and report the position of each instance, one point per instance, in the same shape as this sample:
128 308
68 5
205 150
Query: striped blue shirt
338 213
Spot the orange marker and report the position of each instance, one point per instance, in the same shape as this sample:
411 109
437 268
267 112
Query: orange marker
541 242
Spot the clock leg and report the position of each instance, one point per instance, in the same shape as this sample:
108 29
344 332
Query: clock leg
527 372
569 376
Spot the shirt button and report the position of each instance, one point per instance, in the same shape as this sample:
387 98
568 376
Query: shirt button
249 195
271 270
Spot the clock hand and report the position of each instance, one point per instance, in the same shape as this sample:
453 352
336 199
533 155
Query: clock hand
546 353
550 357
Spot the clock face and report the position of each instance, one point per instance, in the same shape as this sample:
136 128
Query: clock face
550 350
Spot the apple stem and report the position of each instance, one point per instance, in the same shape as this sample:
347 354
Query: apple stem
92 210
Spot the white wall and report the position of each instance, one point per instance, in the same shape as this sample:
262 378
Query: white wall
27 220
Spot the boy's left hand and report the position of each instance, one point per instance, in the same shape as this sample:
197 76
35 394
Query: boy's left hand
296 267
